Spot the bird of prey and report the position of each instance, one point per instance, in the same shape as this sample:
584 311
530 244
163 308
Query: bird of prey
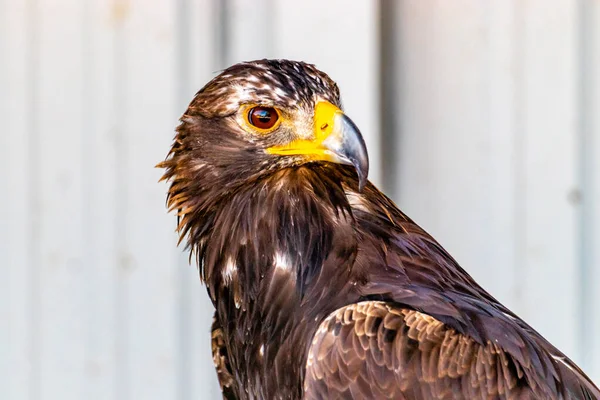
322 287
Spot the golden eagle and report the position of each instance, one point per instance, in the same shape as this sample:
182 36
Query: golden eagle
322 287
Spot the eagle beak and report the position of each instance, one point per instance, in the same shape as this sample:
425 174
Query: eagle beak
336 139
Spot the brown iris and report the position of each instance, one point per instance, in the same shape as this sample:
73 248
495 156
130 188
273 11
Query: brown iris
263 117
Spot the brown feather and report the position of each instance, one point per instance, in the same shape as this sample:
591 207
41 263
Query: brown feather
425 367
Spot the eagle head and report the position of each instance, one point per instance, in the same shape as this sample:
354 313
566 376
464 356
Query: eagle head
256 122
260 116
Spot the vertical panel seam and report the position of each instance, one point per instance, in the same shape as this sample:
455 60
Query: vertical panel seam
122 375
520 192
87 166
223 32
5 302
585 228
34 189
388 83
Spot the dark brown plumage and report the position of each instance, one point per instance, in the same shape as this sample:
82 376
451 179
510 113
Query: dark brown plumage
322 290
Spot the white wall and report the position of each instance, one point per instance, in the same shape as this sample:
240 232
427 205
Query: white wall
490 138
498 124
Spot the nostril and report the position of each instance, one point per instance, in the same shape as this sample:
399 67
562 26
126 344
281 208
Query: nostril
324 126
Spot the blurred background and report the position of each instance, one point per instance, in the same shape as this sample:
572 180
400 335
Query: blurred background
482 120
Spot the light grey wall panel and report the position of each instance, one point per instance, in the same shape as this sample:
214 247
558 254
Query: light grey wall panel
147 272
589 312
501 131
456 124
104 366
59 111
549 184
20 255
248 30
487 95
4 204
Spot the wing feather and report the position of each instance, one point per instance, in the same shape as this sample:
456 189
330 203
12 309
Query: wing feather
375 349
221 361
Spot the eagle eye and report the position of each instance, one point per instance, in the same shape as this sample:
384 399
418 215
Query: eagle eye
263 117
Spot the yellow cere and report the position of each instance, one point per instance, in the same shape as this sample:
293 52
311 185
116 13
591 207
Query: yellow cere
324 118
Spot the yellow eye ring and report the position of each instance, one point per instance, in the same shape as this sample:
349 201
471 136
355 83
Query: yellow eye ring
262 118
